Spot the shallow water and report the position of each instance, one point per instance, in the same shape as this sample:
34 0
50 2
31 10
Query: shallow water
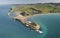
9 28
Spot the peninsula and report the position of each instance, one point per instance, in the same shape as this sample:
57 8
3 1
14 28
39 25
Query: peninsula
23 16
22 12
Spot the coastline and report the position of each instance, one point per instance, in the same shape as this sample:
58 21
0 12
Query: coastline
26 17
46 14
42 14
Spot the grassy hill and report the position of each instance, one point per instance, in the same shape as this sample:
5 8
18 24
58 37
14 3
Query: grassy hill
40 8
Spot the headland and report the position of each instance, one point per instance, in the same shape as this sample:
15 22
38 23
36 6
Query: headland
23 12
23 16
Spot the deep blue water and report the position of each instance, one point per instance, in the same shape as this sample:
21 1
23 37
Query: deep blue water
9 28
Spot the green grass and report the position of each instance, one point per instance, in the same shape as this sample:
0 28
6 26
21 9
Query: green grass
45 8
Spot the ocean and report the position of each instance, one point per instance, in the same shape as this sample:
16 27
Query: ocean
9 28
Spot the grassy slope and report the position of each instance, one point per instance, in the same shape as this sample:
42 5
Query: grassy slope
45 8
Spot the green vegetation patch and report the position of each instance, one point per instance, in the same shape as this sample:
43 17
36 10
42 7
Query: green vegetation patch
38 8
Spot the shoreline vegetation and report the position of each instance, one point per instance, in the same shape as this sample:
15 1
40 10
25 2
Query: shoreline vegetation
23 12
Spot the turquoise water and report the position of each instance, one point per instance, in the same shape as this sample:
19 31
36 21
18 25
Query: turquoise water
9 28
